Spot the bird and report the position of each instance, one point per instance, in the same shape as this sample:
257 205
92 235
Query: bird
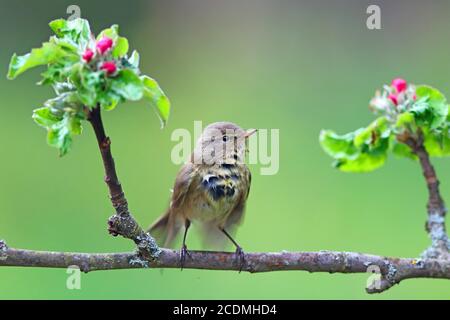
211 189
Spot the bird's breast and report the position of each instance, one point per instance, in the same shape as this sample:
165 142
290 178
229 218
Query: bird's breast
219 189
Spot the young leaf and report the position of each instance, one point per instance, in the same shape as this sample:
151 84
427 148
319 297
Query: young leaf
431 107
154 94
339 146
76 31
61 127
60 135
48 53
369 154
77 28
108 100
437 143
112 32
375 132
405 120
87 83
127 85
365 162
45 117
120 48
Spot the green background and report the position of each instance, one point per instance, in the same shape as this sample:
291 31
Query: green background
297 66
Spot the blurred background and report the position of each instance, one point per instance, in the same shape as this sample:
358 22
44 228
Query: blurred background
297 66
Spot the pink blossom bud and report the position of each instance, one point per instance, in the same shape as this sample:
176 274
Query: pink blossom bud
393 98
399 84
414 96
109 67
104 44
88 55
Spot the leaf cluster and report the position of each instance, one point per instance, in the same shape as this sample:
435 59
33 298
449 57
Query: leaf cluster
82 84
367 148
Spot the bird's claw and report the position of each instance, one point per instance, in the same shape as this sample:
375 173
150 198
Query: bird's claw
240 258
183 253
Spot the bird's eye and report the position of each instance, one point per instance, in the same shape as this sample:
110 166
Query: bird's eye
225 138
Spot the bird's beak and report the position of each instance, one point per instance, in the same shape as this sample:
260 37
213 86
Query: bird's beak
250 132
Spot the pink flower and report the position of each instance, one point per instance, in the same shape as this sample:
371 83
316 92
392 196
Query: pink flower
399 84
393 98
88 55
109 67
104 44
414 97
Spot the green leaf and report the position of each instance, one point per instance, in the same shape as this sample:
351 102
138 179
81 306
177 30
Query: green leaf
65 101
365 162
120 48
108 99
339 146
48 53
77 31
437 143
374 133
45 117
60 135
127 85
88 83
405 120
367 155
112 32
431 108
58 26
61 126
154 94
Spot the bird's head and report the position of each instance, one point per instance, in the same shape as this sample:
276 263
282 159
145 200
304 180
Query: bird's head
222 143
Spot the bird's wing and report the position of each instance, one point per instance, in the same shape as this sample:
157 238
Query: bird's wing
182 184
237 212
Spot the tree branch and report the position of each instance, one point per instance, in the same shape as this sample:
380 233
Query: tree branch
388 271
435 224
122 222
391 270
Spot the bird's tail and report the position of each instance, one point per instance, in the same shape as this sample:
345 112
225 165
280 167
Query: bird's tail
165 229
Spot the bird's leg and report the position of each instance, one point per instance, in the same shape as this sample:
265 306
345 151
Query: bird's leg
239 252
184 251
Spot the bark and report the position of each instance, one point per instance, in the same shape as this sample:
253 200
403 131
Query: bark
388 271
435 224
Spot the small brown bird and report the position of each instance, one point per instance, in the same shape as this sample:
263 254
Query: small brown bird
211 188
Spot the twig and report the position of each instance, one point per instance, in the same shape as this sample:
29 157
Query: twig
435 224
392 270
122 222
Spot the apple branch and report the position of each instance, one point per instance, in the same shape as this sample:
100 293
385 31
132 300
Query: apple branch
387 271
435 224
122 222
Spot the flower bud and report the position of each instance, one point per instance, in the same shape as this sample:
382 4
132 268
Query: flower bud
104 44
399 84
88 55
109 67
393 98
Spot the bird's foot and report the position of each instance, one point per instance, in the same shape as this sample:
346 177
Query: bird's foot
240 258
183 253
